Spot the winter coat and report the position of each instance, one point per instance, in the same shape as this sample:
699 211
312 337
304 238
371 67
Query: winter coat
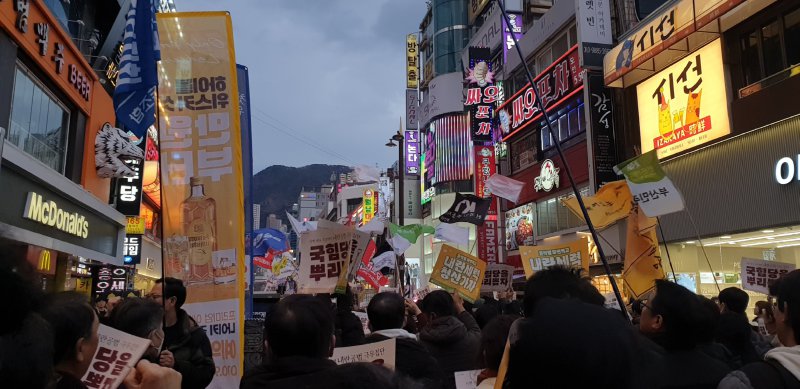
412 358
734 332
454 341
779 370
192 353
289 373
691 369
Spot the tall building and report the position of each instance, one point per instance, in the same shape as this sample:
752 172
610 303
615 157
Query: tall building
256 216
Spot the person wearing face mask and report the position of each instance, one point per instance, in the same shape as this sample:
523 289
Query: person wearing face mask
143 318
74 324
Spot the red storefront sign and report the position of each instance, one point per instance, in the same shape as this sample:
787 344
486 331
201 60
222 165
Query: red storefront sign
578 160
488 241
559 82
484 168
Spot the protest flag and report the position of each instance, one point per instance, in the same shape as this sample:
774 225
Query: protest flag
404 236
507 188
301 227
467 208
134 94
458 271
452 233
375 225
642 254
651 188
611 203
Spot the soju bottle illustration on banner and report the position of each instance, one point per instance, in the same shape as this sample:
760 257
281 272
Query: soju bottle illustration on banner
200 227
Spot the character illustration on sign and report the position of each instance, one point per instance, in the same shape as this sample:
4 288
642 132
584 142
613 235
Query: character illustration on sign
548 177
505 121
625 55
480 74
111 147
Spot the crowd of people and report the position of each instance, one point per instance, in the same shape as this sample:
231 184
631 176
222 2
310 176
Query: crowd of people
559 335
49 341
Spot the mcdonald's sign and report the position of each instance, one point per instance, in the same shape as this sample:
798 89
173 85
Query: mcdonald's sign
43 259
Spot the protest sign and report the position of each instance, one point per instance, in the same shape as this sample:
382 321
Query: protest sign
117 353
358 245
467 379
758 274
571 255
362 316
380 353
497 278
324 253
457 271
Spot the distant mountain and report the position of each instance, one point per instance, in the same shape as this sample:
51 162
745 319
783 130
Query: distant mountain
277 187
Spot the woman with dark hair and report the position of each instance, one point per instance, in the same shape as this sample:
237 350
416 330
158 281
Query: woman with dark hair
143 318
74 324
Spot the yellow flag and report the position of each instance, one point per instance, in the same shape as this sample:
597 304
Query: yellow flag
611 203
642 255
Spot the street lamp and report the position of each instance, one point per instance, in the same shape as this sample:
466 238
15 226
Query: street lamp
398 137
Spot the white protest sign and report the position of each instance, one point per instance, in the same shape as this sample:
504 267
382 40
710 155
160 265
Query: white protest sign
323 254
467 379
380 353
758 274
364 320
117 353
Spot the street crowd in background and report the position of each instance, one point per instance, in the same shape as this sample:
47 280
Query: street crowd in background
559 335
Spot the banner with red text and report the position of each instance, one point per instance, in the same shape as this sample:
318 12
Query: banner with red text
201 178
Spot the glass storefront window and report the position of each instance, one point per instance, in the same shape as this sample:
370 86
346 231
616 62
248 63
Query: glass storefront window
39 122
566 124
771 41
792 36
552 216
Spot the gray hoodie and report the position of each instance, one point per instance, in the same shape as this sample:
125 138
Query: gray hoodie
788 357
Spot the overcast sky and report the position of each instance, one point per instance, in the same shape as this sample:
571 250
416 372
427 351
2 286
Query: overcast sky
330 72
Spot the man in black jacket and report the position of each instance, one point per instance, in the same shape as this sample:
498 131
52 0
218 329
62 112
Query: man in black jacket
387 317
186 346
299 339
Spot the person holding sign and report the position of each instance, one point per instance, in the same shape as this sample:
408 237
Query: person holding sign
451 335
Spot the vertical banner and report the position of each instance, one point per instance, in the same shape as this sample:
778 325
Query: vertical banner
243 81
412 62
481 94
201 178
369 206
511 30
594 31
601 115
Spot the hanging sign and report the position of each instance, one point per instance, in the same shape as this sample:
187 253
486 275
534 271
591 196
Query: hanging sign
481 94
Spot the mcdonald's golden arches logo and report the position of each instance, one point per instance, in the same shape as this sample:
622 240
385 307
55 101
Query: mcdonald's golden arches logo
45 260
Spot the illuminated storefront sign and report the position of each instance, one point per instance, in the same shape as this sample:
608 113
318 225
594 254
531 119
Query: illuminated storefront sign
484 168
412 62
481 94
519 227
412 152
787 170
560 81
132 252
548 177
51 214
136 225
368 204
686 104
452 151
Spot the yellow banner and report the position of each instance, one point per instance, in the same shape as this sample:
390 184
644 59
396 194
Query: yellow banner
201 177
457 271
368 204
642 255
611 203
571 255
412 62
135 226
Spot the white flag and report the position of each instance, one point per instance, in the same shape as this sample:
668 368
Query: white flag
399 244
385 259
507 188
453 233
365 173
375 225
651 188
301 227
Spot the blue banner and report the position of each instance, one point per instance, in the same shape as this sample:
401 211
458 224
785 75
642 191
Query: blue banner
267 239
134 96
243 81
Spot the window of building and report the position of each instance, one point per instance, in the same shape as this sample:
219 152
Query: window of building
544 59
567 123
552 216
768 44
39 122
523 152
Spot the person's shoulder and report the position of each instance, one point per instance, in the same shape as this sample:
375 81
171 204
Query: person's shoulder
735 380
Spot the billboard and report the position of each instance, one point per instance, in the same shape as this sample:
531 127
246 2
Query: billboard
412 152
201 178
481 94
686 104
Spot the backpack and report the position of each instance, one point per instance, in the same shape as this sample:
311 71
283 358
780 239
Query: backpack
770 374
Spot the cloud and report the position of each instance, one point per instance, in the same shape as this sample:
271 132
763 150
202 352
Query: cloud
329 73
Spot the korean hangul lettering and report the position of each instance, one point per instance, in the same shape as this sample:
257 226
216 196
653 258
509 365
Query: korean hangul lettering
42 37
460 266
683 78
487 279
575 259
663 191
334 268
548 263
177 133
645 197
217 123
449 262
332 250
317 272
654 194
469 284
22 7
476 272
536 264
667 25
215 164
94 380
761 272
128 192
773 274
317 253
